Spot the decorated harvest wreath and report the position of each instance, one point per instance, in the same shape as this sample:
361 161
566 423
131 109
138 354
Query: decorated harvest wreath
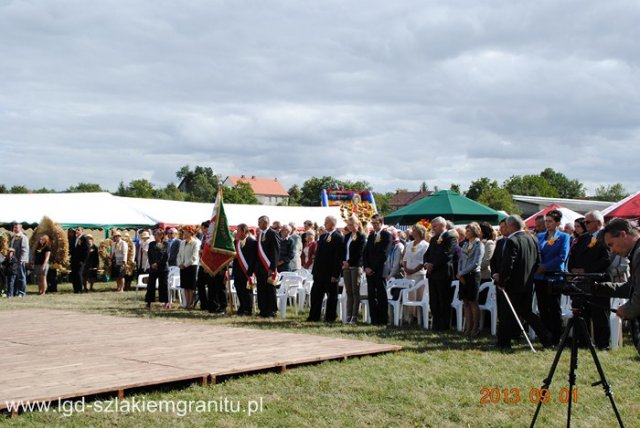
59 258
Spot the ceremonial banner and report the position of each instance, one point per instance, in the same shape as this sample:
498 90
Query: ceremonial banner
218 249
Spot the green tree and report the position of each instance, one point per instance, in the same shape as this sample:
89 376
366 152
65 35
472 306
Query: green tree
44 190
613 193
383 202
170 192
455 188
241 193
19 189
85 188
479 186
424 187
311 188
3 189
140 188
530 185
201 184
122 189
570 189
294 195
499 199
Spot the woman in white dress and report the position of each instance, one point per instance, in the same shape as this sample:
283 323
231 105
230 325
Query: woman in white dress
413 262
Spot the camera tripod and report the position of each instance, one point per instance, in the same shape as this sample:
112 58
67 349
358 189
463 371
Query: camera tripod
580 331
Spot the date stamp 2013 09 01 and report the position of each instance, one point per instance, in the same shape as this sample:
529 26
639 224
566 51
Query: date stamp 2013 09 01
494 395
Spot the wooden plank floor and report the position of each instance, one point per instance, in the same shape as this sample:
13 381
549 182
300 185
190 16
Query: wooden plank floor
50 354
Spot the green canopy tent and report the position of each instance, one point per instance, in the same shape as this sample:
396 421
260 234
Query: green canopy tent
447 204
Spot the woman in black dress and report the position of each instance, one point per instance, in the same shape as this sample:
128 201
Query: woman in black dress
41 262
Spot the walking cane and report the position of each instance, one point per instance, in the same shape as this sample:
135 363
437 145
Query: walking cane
517 319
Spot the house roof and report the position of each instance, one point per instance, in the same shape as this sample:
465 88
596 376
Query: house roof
402 199
260 186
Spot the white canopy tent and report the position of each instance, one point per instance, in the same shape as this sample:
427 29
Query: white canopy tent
90 210
103 210
177 212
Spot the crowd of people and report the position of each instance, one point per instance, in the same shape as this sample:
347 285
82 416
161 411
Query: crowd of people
523 264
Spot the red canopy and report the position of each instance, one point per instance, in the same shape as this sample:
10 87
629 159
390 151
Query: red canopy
628 208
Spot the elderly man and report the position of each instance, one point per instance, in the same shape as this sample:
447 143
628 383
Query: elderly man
286 249
623 239
591 255
20 244
438 261
266 267
519 262
326 272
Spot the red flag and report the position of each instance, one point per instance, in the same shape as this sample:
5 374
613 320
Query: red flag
218 249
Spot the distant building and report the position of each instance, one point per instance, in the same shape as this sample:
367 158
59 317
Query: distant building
268 191
402 199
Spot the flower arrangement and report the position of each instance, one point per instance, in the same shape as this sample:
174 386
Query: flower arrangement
426 223
363 210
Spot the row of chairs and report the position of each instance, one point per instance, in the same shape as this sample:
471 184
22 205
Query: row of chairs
173 284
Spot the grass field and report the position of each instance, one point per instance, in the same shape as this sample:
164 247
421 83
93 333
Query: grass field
436 380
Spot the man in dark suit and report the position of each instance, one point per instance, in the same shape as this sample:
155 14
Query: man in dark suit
78 259
243 266
496 259
173 244
520 260
438 261
326 272
375 254
591 255
266 267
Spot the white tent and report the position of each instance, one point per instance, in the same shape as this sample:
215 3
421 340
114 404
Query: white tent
91 210
103 210
177 212
568 216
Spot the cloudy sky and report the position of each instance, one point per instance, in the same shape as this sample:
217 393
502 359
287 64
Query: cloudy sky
394 93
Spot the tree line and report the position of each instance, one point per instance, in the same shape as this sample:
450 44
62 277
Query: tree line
201 184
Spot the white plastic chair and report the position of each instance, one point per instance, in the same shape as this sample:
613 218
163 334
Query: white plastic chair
288 291
423 303
489 305
456 304
143 278
364 299
565 307
615 324
175 292
304 293
395 305
342 301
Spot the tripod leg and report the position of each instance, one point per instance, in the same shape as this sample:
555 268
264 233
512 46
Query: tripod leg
572 369
554 365
582 329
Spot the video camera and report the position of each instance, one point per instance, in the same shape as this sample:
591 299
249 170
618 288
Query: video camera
579 286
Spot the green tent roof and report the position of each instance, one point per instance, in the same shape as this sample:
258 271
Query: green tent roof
447 204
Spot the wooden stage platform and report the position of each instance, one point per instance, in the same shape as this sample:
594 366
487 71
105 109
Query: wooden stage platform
49 355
